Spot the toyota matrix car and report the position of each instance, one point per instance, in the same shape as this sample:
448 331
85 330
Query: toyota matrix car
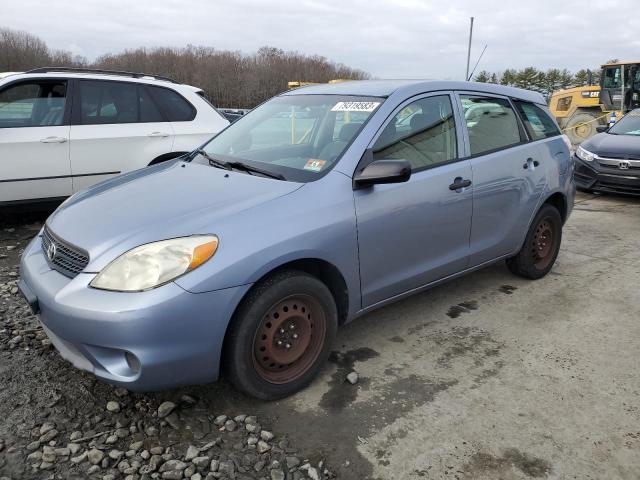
324 203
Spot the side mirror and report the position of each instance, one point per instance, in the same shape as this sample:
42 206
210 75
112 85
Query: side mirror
382 171
602 128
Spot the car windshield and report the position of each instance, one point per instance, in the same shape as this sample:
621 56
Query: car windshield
300 137
628 125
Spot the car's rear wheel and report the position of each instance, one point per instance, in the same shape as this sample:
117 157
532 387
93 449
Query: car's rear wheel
280 336
541 246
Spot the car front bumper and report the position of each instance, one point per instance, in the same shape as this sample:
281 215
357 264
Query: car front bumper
149 340
590 178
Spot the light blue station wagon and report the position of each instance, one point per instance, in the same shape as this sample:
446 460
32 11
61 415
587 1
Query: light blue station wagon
320 205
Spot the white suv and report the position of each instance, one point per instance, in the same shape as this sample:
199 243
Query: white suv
63 129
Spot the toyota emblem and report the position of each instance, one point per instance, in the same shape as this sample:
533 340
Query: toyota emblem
51 252
624 165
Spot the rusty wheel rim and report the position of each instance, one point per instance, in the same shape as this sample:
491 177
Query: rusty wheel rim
543 244
289 339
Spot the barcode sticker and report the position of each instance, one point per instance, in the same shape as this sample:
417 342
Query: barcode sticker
355 106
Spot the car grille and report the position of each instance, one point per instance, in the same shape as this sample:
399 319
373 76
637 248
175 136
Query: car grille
613 162
61 256
620 156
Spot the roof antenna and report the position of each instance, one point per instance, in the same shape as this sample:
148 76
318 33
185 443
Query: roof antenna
476 65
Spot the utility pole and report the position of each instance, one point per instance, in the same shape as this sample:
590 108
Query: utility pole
622 97
469 49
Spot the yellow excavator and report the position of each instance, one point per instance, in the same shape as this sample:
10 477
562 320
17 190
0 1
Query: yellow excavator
580 110
298 83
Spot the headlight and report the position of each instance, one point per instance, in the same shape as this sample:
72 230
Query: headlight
154 264
585 155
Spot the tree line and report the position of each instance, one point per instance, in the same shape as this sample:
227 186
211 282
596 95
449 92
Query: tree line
240 80
545 82
229 78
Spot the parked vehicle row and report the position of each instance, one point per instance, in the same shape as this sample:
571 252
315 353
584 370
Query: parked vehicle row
322 204
63 130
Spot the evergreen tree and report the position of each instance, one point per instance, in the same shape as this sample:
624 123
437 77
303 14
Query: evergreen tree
508 77
482 77
553 79
529 78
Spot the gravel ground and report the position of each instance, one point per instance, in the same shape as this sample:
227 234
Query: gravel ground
61 423
486 377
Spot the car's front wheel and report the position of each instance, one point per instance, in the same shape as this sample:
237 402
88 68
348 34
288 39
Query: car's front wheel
280 336
541 246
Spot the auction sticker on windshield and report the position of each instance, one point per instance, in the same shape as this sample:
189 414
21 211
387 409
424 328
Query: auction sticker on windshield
315 165
355 106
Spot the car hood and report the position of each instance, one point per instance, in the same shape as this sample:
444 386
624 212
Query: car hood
618 146
165 201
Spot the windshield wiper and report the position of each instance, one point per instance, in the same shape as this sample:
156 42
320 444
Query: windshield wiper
214 162
250 168
238 165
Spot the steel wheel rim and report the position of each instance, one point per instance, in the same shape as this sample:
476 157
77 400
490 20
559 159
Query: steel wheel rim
543 244
289 339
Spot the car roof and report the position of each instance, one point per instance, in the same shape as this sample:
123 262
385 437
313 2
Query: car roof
101 76
8 74
385 88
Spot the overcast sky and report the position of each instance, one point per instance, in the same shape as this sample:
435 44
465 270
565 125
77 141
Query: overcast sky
389 39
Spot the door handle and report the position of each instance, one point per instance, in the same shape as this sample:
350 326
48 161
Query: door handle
459 183
158 134
530 162
54 140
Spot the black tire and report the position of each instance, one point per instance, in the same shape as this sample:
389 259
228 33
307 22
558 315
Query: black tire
581 125
541 246
257 325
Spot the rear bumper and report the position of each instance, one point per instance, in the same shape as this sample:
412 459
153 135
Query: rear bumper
143 341
587 177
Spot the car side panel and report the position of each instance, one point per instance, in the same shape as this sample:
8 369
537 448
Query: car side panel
316 221
33 169
34 160
505 195
104 151
413 233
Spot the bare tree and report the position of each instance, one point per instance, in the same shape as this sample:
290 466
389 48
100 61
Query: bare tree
21 51
231 78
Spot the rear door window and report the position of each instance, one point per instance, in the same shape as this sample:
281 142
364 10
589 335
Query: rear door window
33 104
491 122
174 106
109 102
537 121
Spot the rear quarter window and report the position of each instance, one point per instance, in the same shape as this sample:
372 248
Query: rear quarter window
174 105
537 122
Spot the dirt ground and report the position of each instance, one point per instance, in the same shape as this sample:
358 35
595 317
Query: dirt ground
489 376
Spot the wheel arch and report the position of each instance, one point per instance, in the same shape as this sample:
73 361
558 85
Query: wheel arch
324 271
555 198
559 201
